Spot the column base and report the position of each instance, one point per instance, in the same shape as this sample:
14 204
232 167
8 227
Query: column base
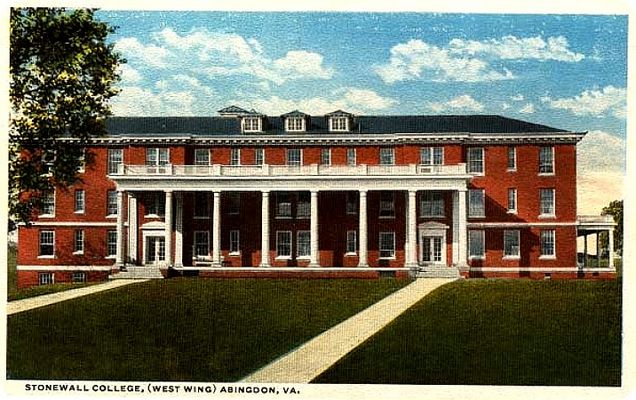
411 265
314 265
265 265
365 265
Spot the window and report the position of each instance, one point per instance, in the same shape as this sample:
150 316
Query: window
235 156
295 124
201 243
251 124
432 204
234 242
283 244
79 201
283 205
234 206
303 244
259 156
294 157
155 204
201 157
325 156
82 160
115 159
476 205
201 205
111 202
512 200
352 244
546 160
512 158
46 278
338 124
351 157
157 156
511 244
387 205
303 207
548 243
78 242
352 203
547 202
387 244
476 243
387 156
475 160
111 244
432 155
47 243
48 205
78 277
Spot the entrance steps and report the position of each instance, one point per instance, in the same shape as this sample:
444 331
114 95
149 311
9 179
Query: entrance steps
435 271
138 273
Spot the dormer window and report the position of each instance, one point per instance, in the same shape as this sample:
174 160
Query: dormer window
339 121
252 124
295 124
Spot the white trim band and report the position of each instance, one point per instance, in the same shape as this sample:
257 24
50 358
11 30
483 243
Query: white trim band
517 224
65 267
537 269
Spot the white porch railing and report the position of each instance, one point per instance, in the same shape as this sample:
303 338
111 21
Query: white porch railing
289 170
595 219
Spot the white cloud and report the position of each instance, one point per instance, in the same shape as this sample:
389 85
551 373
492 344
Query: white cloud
527 109
517 97
610 100
302 63
505 106
461 103
148 55
599 176
514 48
128 74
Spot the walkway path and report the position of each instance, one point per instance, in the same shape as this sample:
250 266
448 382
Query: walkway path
314 357
17 306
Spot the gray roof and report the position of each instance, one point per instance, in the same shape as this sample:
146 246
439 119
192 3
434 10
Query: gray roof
224 126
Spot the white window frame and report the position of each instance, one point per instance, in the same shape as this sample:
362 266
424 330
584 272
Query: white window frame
387 207
78 242
338 124
547 242
111 203
512 201
546 167
78 277
234 203
158 204
200 196
512 159
293 162
252 124
352 243
259 156
383 248
475 161
80 201
111 244
46 278
325 156
202 161
283 203
475 235
50 241
305 242
235 156
48 205
157 156
280 235
387 152
432 155
303 206
351 156
476 210
434 198
547 209
115 159
295 124
514 252
352 203
235 242
198 243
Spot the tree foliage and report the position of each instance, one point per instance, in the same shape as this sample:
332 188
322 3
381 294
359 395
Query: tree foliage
62 74
615 209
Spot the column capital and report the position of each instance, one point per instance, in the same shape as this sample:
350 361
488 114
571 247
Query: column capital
363 192
265 192
314 192
412 192
168 191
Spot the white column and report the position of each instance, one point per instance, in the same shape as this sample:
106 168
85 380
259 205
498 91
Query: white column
265 230
178 234
411 258
362 228
611 247
132 228
216 230
598 249
168 227
313 235
119 257
585 250
455 228
463 233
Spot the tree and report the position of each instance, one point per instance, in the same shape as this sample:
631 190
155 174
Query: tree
62 74
615 209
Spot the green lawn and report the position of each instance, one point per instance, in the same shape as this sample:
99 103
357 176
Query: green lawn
497 332
181 329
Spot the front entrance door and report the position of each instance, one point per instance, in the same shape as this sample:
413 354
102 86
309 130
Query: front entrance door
431 249
155 250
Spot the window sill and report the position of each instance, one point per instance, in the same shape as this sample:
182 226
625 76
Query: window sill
512 212
111 216
111 257
386 217
433 216
79 212
46 216
46 257
545 174
386 258
303 258
547 216
153 216
477 216
201 217
283 258
547 257
303 217
234 254
78 253
511 258
476 257
279 217
476 173
511 170
352 213
351 254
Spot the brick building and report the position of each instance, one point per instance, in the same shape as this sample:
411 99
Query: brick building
336 195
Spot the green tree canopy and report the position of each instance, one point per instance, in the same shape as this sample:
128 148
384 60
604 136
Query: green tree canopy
62 74
615 209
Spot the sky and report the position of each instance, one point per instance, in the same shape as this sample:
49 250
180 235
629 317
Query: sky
565 71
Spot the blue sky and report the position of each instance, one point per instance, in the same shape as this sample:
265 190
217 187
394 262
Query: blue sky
566 71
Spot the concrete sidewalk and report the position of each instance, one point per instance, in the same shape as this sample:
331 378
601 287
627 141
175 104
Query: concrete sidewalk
17 306
317 355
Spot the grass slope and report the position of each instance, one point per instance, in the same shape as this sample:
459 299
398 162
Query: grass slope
497 332
181 329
